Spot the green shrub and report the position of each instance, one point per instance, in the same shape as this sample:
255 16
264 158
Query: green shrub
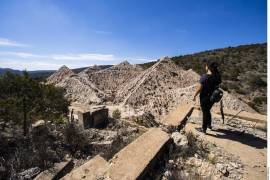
61 120
256 81
138 120
260 100
116 114
240 90
43 140
75 138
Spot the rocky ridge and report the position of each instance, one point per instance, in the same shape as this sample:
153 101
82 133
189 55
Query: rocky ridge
165 86
111 79
63 73
91 69
158 89
80 89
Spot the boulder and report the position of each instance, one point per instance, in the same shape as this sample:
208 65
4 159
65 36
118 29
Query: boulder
179 139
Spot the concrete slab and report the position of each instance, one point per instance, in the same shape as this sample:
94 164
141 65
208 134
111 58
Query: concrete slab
254 117
177 116
132 161
91 170
196 113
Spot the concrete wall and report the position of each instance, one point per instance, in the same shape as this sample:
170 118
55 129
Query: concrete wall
99 118
96 118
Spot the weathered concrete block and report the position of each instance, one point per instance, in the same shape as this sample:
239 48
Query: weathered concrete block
133 160
89 117
98 118
91 170
83 118
178 116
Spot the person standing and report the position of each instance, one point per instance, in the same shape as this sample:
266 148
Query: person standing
207 84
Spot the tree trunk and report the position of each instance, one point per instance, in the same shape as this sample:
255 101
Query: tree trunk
25 128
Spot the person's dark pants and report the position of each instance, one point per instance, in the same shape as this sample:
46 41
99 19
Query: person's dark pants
206 106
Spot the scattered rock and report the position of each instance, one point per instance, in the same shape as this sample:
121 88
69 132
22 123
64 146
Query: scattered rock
29 173
171 161
167 173
212 157
180 139
38 123
147 119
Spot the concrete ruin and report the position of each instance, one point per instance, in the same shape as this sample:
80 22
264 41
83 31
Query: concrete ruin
141 155
88 117
92 169
178 116
131 162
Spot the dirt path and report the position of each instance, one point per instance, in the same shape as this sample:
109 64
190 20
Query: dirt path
251 150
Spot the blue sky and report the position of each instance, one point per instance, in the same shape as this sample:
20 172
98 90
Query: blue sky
45 34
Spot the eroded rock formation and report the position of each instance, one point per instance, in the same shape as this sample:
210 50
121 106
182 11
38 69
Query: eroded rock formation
157 89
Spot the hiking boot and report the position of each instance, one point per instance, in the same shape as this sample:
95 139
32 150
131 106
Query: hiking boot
204 131
201 130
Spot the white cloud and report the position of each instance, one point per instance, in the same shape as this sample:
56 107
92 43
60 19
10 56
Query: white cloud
35 61
32 61
67 57
29 65
102 32
144 59
21 54
86 56
7 42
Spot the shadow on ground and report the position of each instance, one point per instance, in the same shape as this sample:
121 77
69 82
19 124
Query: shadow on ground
241 137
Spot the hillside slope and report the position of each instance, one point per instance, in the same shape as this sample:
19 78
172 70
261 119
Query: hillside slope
164 86
95 84
243 69
111 79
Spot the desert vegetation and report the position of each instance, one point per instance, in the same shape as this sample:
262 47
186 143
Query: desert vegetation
24 101
116 114
36 132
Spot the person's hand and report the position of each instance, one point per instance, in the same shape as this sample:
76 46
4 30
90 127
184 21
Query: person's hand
194 98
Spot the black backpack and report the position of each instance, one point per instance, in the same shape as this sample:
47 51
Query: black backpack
216 95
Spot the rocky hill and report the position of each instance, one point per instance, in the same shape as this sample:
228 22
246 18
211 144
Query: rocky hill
164 86
157 89
243 69
80 89
91 69
63 73
94 85
111 79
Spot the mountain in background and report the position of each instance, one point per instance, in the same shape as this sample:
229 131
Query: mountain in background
33 74
44 73
4 70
